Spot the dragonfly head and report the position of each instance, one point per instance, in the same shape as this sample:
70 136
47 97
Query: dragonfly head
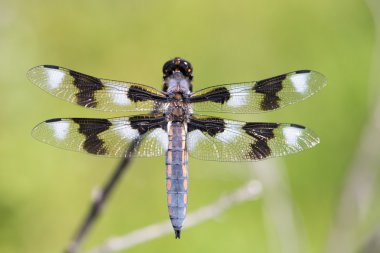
180 65
177 76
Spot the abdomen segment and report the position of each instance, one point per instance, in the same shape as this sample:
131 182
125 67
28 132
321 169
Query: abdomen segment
177 175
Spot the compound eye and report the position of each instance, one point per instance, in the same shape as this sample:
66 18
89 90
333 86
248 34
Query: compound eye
168 68
178 64
185 67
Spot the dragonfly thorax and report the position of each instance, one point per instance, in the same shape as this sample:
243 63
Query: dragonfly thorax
177 83
178 111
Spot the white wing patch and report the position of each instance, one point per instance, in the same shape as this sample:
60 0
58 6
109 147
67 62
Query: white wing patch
193 138
161 136
61 129
127 132
239 96
299 82
292 134
120 98
231 133
54 77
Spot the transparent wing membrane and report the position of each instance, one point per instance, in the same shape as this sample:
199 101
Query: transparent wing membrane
108 137
226 140
259 96
93 92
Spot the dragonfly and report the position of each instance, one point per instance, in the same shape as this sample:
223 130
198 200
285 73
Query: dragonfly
173 124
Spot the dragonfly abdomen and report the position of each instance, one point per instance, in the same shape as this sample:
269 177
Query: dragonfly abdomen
177 175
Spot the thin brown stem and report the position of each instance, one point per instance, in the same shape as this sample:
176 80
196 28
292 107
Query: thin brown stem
250 191
100 200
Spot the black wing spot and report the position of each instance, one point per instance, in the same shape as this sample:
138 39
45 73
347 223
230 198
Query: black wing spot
302 71
259 150
51 66
87 86
145 123
270 87
138 94
53 120
262 132
90 128
297 126
217 95
210 125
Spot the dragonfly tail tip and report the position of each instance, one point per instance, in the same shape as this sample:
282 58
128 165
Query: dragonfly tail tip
177 234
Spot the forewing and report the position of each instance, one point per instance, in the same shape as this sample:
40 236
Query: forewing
259 96
93 92
217 139
108 137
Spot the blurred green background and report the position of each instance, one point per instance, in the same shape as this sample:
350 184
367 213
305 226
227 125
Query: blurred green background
45 192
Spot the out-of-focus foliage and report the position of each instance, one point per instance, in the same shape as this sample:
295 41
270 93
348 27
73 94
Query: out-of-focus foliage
44 191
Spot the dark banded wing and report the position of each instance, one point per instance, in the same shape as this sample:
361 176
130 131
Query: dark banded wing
217 139
93 92
108 137
259 96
